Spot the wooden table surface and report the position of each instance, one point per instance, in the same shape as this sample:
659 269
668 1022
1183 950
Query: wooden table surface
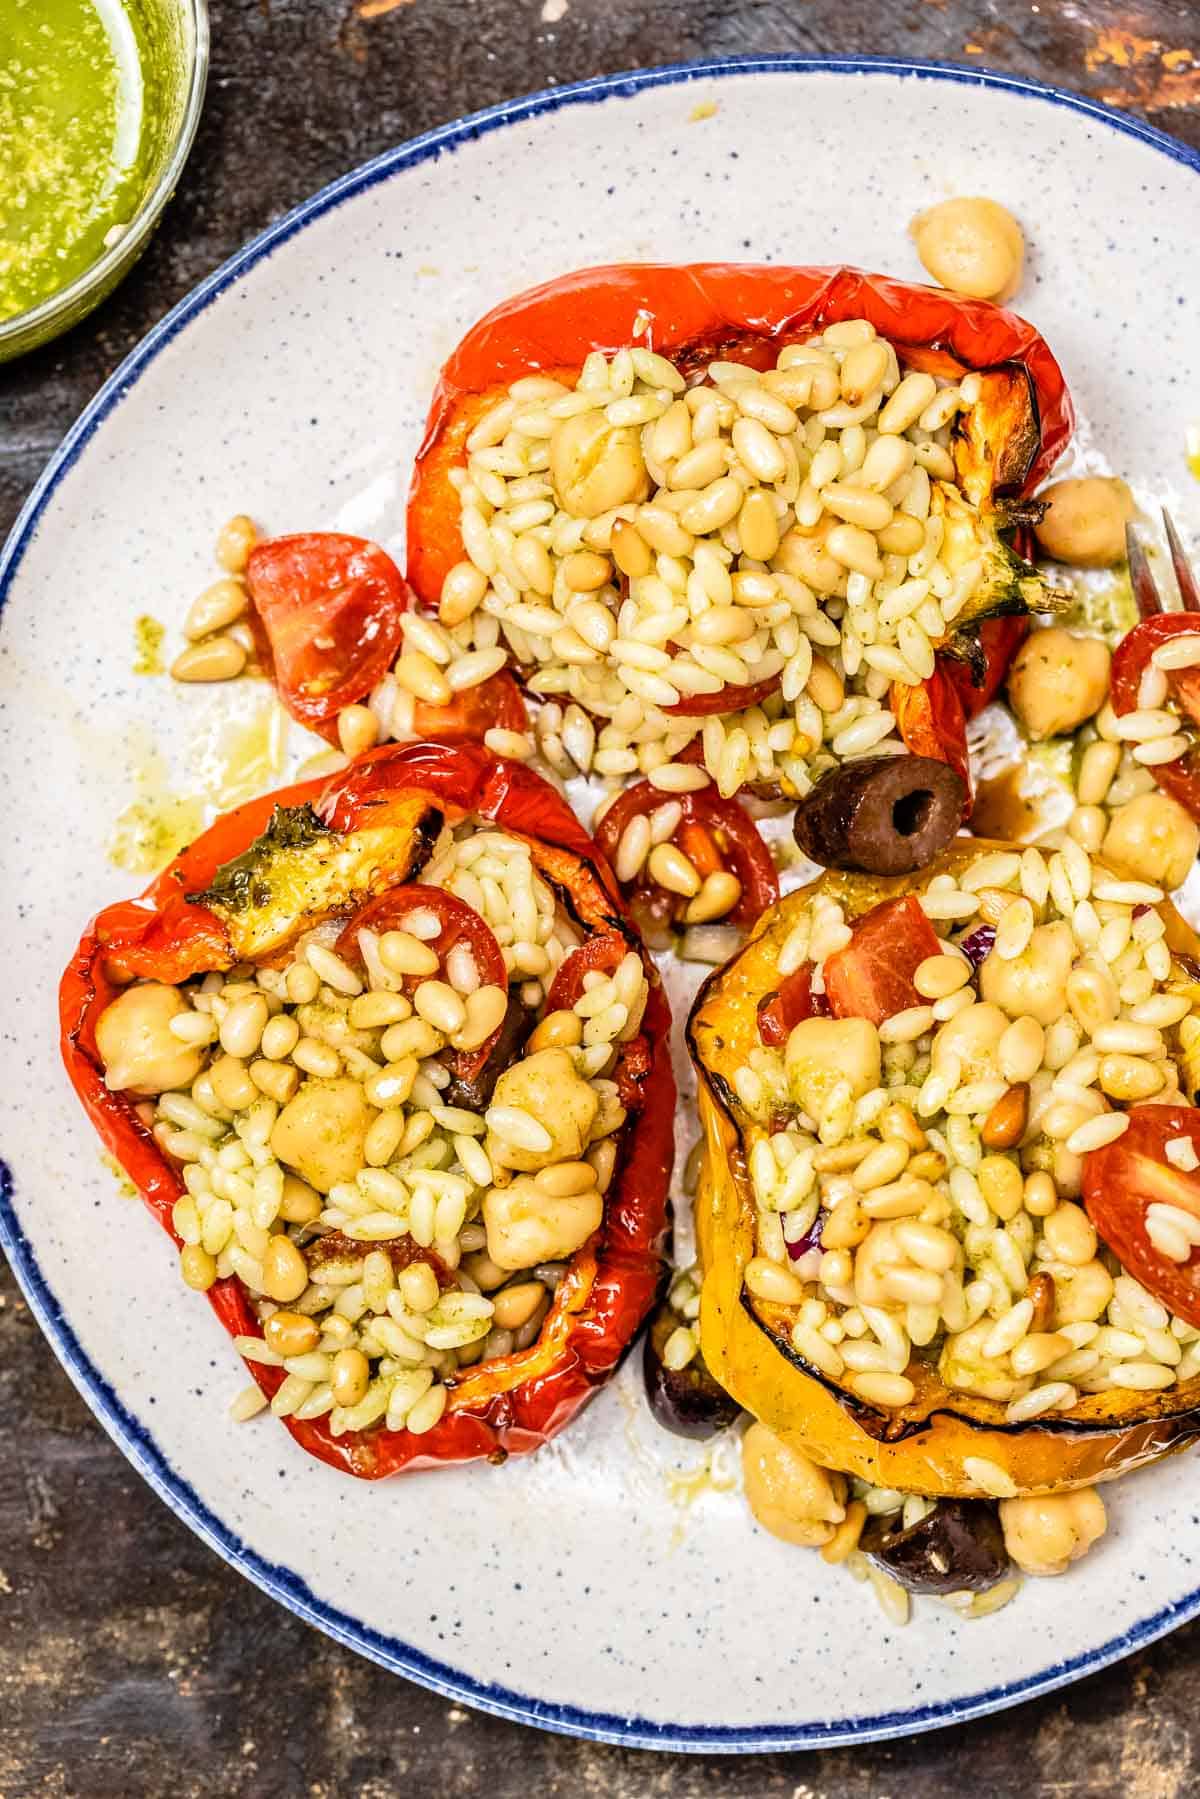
132 1661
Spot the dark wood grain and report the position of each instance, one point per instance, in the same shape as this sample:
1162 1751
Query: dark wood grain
132 1661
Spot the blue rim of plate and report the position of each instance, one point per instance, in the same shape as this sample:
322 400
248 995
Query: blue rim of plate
129 1435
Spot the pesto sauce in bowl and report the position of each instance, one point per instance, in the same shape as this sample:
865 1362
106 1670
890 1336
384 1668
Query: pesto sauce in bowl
98 100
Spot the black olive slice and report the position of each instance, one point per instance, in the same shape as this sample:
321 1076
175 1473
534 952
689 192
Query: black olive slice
883 815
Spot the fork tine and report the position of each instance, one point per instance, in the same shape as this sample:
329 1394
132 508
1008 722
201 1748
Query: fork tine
1189 592
1149 602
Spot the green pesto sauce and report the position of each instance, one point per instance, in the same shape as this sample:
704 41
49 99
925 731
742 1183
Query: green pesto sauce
79 91
148 637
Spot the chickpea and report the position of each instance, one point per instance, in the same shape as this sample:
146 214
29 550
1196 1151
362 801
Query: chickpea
546 1086
1058 681
788 1493
823 1051
136 1046
1153 839
971 245
525 1226
973 1035
1081 1294
322 1132
1085 520
1046 1533
1033 984
595 466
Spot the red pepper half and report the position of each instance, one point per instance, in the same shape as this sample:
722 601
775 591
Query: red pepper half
1131 658
748 311
510 1404
329 608
714 833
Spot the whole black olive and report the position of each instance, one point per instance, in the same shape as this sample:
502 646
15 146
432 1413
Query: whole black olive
882 815
957 1547
686 1401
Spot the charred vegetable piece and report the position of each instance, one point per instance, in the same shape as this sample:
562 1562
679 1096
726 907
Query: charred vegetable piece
686 1401
958 1547
474 1090
884 815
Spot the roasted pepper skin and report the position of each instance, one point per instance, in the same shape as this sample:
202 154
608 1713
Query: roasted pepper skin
922 1447
511 1404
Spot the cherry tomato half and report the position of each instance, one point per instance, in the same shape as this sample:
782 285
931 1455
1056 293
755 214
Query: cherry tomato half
1124 1179
494 703
729 698
331 607
602 955
598 955
1131 658
460 924
713 833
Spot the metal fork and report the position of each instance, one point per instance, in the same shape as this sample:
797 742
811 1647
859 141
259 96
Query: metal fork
1145 590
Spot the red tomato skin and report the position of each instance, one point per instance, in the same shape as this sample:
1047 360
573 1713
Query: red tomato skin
459 921
872 976
1181 778
331 608
1122 1180
743 850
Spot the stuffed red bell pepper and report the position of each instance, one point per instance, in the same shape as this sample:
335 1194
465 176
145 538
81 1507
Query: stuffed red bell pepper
690 492
386 1058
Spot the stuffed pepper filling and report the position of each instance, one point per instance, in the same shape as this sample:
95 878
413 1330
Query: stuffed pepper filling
394 1136
965 1120
737 553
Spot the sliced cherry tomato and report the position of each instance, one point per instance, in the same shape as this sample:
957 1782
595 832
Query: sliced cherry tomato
729 698
460 923
1124 1179
1131 658
781 1012
598 955
331 607
494 703
715 833
602 955
873 976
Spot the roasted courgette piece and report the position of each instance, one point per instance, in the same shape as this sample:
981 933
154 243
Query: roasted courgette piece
300 871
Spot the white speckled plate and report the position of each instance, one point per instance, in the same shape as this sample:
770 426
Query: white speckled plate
587 1589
